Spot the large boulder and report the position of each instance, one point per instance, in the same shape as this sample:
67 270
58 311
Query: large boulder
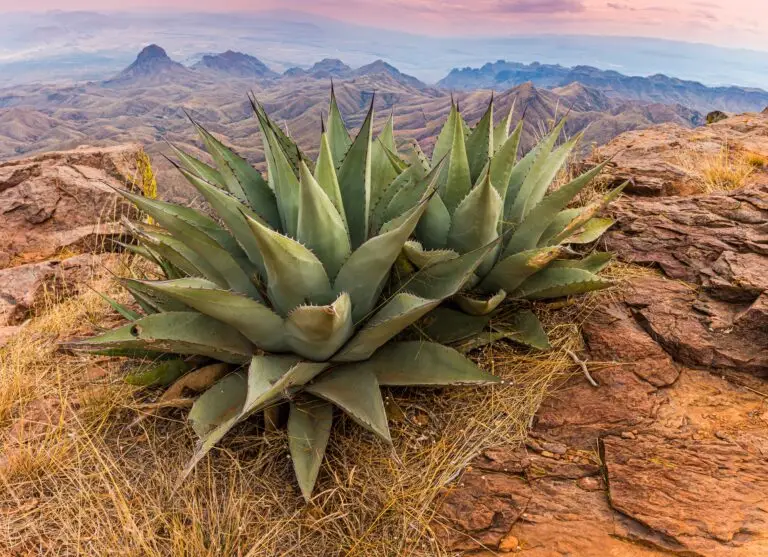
62 201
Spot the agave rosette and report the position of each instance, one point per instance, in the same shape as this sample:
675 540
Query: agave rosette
486 194
291 285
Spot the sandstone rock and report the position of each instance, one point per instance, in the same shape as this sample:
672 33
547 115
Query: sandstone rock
61 200
24 287
717 241
662 160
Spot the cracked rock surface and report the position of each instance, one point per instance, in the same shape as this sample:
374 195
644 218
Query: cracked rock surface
669 455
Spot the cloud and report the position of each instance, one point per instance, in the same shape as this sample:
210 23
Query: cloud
540 6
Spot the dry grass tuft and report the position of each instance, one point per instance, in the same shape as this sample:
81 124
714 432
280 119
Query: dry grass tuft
75 479
727 170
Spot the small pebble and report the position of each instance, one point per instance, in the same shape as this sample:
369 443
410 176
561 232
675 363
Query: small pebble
627 435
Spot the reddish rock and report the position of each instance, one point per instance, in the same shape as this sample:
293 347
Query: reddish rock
24 287
717 241
683 450
662 160
62 200
700 331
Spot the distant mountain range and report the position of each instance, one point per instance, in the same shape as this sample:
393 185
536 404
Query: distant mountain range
154 66
656 88
146 103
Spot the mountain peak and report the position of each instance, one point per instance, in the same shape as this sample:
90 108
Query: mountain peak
380 66
152 64
234 63
151 53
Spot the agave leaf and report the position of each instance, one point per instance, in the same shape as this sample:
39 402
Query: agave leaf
559 223
445 278
509 273
196 166
455 180
124 311
157 300
242 180
594 263
416 363
591 231
383 170
407 178
589 212
325 174
174 332
220 403
399 312
480 143
424 258
516 179
501 130
503 162
434 226
355 182
528 234
179 220
294 274
317 332
220 260
320 226
412 193
446 325
177 253
559 282
268 378
161 373
525 328
366 271
475 222
338 136
283 180
253 319
444 140
355 390
479 306
232 213
556 161
387 134
291 150
541 163
217 149
309 427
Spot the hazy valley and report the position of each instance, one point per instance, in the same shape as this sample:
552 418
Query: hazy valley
146 103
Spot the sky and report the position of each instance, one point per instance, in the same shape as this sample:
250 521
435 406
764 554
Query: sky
731 23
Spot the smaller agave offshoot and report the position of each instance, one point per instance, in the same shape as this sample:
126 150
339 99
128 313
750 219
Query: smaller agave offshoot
291 284
486 195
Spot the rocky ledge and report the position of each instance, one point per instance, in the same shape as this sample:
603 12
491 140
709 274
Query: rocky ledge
669 454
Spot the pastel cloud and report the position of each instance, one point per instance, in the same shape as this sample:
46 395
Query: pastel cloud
724 22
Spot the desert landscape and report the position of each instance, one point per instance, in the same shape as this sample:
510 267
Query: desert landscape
250 308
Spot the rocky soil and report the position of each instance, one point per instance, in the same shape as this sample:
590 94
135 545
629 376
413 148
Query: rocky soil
669 454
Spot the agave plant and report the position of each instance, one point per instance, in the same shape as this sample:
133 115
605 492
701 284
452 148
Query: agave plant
486 194
290 284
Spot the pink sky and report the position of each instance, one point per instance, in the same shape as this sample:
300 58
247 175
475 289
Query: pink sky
737 23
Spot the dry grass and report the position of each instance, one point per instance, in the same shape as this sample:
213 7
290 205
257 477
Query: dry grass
78 481
727 170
